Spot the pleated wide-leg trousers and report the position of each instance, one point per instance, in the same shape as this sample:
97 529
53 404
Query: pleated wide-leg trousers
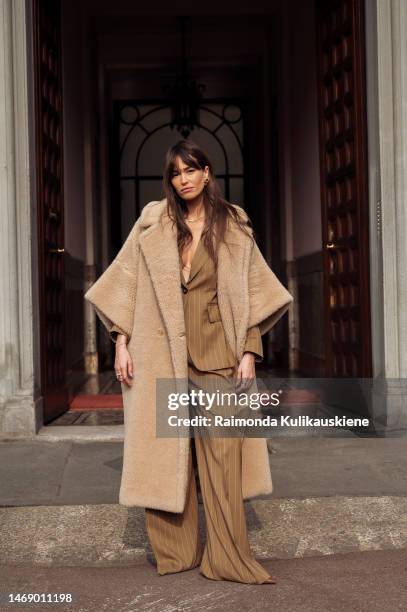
174 537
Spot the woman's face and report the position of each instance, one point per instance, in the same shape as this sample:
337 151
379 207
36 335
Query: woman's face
187 180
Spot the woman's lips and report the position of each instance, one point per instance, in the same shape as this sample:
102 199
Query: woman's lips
186 189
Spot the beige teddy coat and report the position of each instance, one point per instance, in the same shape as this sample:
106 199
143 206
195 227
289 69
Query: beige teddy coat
140 292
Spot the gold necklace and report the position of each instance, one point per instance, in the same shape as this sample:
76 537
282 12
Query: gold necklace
193 220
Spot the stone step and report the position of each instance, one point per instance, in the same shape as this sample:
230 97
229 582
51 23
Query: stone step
112 535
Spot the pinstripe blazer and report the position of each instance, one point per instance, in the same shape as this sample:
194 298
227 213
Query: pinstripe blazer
207 346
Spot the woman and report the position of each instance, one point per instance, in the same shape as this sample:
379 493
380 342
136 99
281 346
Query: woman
186 300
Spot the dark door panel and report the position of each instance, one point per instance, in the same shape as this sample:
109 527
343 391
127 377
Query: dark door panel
344 186
50 210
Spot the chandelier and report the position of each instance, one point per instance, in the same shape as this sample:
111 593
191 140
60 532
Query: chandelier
184 95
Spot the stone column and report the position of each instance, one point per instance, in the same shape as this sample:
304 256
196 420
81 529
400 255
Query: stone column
386 39
19 414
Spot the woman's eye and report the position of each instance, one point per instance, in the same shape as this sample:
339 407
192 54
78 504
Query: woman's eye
191 170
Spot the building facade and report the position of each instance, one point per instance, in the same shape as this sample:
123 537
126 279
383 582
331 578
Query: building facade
304 113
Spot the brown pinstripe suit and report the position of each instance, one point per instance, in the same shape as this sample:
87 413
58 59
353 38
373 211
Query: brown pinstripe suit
207 346
175 537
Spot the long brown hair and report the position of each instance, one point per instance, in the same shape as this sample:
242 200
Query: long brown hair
217 210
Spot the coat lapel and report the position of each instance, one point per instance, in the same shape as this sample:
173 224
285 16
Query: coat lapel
158 245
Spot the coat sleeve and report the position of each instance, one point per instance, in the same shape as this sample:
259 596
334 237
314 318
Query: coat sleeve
115 330
113 294
253 343
269 299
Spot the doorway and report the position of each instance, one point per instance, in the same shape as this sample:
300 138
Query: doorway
263 118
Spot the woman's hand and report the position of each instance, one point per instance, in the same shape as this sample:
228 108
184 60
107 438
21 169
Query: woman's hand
245 372
123 364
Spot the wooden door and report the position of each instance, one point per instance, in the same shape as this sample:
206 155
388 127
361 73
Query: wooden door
344 186
50 209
